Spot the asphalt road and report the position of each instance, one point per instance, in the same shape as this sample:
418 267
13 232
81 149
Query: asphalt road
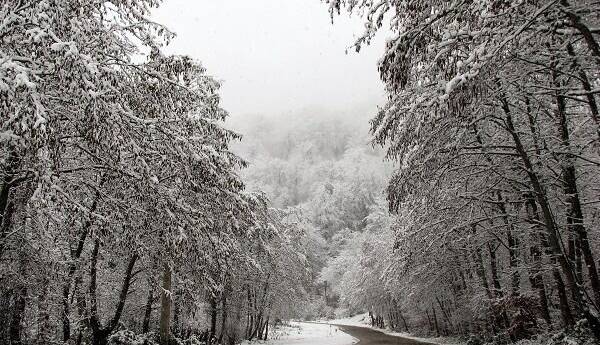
367 336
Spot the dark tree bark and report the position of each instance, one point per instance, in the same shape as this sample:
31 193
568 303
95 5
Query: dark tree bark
165 306
213 317
494 270
72 268
15 326
512 246
261 330
445 314
535 275
403 320
148 310
575 213
429 322
100 333
266 336
565 309
578 23
223 315
43 320
250 316
435 321
9 182
587 86
480 269
550 224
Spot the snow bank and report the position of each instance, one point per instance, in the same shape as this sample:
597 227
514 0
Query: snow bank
304 333
360 320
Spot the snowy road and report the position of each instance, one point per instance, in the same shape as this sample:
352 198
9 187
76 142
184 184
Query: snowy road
367 336
308 333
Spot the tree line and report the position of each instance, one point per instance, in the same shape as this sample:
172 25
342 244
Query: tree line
492 121
319 165
122 214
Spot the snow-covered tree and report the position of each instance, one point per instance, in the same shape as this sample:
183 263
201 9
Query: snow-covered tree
492 120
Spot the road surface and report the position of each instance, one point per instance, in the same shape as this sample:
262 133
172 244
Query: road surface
367 336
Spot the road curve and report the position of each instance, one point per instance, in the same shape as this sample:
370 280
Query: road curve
368 336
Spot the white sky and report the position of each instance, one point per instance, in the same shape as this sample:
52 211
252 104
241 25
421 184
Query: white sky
276 56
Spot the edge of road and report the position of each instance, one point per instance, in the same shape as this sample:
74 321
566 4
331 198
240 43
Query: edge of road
417 340
354 339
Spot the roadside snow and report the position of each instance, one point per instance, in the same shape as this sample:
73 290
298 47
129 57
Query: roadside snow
304 333
360 320
363 320
433 340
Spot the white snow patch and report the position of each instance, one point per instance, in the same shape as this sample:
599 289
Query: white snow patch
360 320
305 333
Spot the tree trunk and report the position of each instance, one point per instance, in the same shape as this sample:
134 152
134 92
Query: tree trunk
575 214
403 320
588 36
429 322
99 333
435 321
535 276
445 314
72 268
213 317
494 270
223 314
6 206
165 306
148 310
261 330
66 323
123 295
16 320
266 336
587 86
480 271
512 246
565 309
257 325
93 315
550 224
250 322
43 320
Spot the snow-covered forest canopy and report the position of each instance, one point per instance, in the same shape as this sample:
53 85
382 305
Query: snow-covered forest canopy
134 210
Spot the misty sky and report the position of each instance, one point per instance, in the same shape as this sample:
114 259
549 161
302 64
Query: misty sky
276 56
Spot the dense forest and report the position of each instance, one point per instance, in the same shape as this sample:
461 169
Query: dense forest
320 166
492 122
123 212
134 210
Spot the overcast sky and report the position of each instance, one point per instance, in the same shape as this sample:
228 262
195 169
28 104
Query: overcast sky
276 56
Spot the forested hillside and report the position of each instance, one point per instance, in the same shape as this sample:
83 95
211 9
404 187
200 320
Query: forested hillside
321 166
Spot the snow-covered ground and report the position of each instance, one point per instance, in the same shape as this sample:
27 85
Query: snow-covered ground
363 320
304 333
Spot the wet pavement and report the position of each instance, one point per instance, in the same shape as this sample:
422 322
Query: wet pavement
367 336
